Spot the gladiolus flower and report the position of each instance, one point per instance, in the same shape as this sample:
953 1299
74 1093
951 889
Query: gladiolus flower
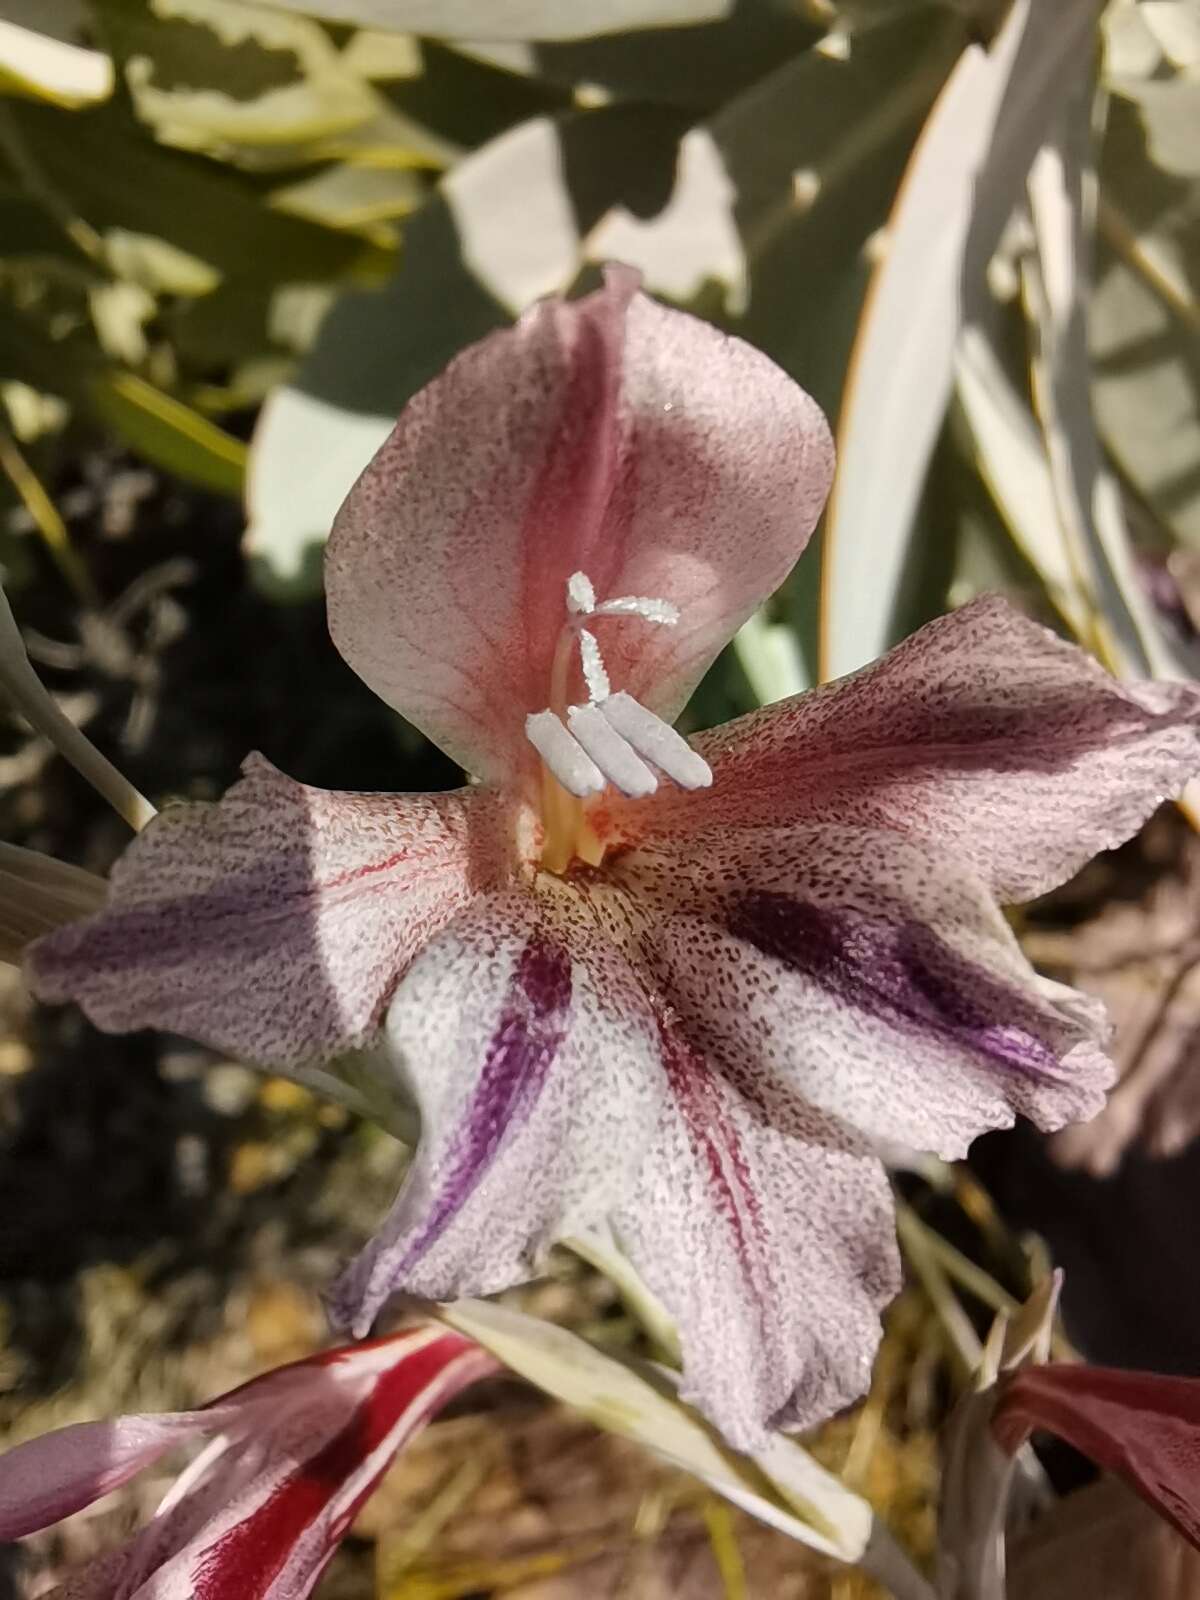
675 989
261 1510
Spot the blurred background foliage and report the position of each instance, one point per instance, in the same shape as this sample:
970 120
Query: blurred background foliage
239 237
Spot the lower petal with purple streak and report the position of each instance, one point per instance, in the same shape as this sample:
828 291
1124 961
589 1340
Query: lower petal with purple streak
531 1051
877 981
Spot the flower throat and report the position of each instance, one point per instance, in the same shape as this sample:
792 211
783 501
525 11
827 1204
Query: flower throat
610 739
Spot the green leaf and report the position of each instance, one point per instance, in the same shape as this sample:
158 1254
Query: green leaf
636 1402
107 171
157 264
215 74
769 654
1175 25
1126 635
343 196
29 230
169 433
1012 461
1171 112
255 87
781 1485
52 365
1144 327
720 222
217 330
957 194
701 67
29 695
467 101
510 19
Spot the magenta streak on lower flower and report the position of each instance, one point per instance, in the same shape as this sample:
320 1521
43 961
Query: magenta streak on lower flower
260 1513
902 972
253 1552
532 1025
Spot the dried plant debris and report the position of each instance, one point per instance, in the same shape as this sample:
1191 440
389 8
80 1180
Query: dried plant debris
1128 932
1104 1543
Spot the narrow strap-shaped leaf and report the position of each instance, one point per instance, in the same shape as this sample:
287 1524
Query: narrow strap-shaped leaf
957 194
38 894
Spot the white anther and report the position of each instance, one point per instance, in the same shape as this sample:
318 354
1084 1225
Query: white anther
655 739
581 597
592 663
637 605
615 758
566 759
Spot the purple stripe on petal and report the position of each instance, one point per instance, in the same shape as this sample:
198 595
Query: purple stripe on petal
532 1024
900 972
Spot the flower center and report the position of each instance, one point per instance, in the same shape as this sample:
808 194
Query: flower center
611 739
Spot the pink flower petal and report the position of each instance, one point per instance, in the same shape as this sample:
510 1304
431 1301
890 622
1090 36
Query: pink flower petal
983 735
50 1477
276 923
532 1053
1138 1424
607 435
309 1444
276 1538
767 1232
875 979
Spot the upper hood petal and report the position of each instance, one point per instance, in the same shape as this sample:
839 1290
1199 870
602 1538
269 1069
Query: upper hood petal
607 435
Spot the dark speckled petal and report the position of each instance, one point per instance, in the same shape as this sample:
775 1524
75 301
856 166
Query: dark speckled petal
276 923
984 736
766 1230
877 980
